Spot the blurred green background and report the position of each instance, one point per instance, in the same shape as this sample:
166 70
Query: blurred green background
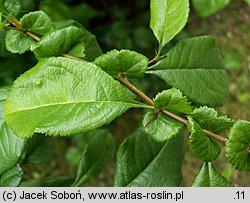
121 24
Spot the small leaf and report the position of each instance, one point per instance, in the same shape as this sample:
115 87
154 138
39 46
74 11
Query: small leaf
162 127
237 147
202 146
210 177
11 178
172 99
130 63
11 147
141 161
98 152
78 50
58 42
37 22
92 48
208 119
168 18
62 96
18 42
208 8
194 66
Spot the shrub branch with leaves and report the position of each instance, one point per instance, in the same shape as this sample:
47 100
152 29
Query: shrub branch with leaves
74 88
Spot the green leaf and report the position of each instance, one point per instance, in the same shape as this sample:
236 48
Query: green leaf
62 96
3 51
58 42
11 147
18 42
61 181
168 18
208 119
237 147
92 48
11 178
248 2
78 50
162 127
207 8
37 22
98 152
141 161
194 66
200 144
210 177
172 99
40 150
10 6
130 63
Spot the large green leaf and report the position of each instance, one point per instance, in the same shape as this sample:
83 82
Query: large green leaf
194 66
210 177
11 146
162 127
208 119
130 63
12 177
18 42
172 99
205 8
141 161
100 148
201 145
168 17
62 96
58 42
37 22
238 145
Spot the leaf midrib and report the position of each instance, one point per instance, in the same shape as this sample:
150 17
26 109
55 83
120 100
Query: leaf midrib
68 103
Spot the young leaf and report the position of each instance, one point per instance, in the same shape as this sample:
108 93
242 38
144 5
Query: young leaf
62 96
208 8
37 22
98 152
78 50
11 178
194 66
92 48
18 42
237 147
172 99
130 63
141 161
208 119
210 177
58 42
202 146
162 127
168 18
11 147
